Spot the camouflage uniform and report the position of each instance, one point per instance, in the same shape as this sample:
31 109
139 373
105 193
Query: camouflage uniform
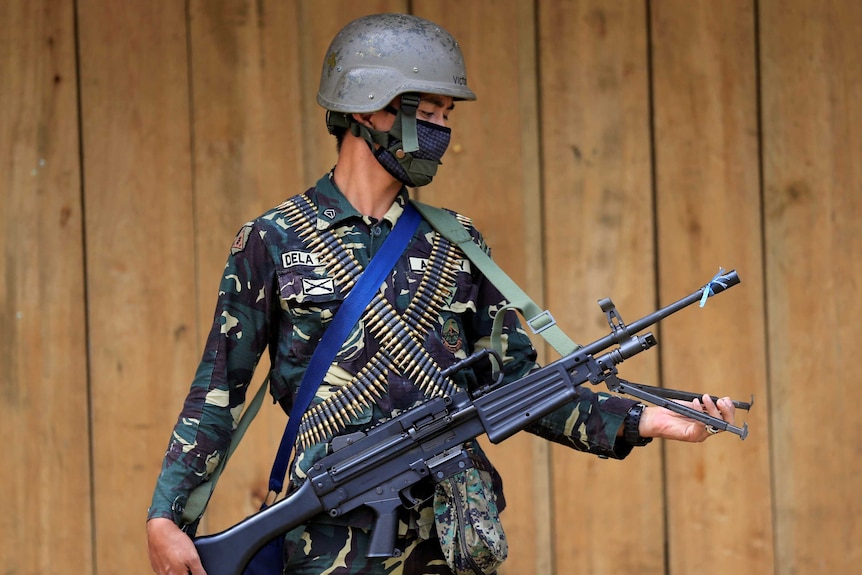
279 291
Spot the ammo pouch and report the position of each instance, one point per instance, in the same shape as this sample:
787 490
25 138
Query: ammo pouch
467 519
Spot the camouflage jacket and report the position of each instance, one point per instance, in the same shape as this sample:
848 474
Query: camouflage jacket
280 289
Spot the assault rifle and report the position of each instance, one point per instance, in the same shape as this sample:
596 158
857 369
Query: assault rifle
377 468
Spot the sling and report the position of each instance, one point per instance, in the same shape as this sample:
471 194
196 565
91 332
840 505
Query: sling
541 322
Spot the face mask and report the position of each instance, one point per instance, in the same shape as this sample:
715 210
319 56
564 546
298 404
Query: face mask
416 168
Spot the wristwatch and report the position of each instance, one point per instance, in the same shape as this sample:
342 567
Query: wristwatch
631 424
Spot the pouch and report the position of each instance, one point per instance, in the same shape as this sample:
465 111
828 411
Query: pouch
468 523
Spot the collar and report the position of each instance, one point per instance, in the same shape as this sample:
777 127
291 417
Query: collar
334 210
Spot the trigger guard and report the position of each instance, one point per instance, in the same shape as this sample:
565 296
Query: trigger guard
413 500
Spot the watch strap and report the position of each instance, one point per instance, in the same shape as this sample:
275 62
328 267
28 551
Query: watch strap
631 426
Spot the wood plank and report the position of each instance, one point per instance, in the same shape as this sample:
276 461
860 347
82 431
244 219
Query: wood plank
811 67
490 173
707 179
599 243
140 255
244 100
46 519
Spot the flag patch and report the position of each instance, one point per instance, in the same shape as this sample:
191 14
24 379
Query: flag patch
241 239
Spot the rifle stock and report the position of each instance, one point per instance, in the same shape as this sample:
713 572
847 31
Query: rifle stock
228 552
377 468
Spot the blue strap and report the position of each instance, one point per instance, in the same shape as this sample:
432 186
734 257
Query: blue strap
333 338
707 289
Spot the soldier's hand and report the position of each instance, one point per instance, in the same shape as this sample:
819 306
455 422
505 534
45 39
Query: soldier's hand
171 551
660 422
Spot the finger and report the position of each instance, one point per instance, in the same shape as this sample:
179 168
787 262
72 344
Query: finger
708 403
710 407
727 409
195 567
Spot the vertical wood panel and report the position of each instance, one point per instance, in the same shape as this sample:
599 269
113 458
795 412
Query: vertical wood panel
707 176
46 521
140 255
490 173
246 93
811 66
156 243
598 222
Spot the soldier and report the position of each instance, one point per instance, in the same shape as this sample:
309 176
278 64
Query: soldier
389 83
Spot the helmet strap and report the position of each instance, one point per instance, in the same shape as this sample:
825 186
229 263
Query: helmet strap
404 128
370 135
409 105
336 120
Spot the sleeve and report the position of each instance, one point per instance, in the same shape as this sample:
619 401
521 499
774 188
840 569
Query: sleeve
591 422
236 341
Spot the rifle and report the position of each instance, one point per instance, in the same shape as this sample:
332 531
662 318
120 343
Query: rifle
379 467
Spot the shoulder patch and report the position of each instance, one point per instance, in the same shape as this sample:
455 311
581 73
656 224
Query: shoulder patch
241 239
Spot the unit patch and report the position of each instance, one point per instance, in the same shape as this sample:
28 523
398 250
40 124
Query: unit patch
452 336
241 240
312 287
290 259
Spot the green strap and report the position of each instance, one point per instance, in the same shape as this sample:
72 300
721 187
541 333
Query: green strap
540 321
200 495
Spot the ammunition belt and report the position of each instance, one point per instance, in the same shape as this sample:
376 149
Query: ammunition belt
400 336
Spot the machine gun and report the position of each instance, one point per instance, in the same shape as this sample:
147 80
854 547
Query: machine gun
378 468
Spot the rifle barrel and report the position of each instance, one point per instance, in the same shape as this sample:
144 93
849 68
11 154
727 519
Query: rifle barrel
716 286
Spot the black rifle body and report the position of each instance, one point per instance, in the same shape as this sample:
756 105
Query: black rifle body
377 468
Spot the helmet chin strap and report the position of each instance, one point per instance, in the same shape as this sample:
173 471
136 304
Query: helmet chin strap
403 129
407 113
405 120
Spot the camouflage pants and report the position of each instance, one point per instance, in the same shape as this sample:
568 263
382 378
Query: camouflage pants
322 549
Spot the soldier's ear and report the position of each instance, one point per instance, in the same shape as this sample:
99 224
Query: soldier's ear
364 119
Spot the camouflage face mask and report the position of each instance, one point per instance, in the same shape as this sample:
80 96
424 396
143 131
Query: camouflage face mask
417 168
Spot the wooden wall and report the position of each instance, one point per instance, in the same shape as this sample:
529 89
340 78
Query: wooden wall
624 149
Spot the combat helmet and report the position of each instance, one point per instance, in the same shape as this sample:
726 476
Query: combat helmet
378 57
